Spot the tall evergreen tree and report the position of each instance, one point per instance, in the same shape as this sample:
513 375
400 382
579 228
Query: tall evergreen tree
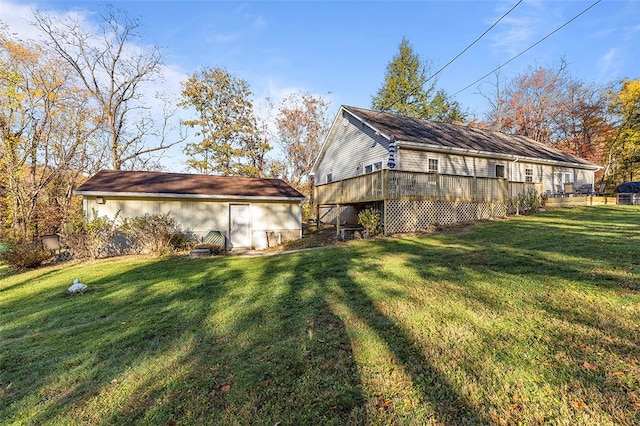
407 91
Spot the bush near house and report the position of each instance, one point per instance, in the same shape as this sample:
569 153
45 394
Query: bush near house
370 221
153 233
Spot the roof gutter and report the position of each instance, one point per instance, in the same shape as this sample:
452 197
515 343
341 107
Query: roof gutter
483 154
184 196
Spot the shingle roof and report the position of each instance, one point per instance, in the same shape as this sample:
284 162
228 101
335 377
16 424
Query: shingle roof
407 129
181 184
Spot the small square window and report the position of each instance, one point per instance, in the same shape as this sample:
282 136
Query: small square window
368 169
499 170
433 164
378 165
528 175
329 178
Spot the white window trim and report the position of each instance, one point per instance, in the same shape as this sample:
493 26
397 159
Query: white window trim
562 177
429 166
528 175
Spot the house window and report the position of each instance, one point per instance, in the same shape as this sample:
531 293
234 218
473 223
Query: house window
565 177
528 175
499 170
329 178
371 167
434 165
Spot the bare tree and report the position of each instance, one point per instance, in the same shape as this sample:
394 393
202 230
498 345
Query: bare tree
115 71
302 123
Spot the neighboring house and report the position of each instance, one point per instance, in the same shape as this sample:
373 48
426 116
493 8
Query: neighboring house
249 212
420 172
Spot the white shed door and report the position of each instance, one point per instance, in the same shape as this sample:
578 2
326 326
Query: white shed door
240 225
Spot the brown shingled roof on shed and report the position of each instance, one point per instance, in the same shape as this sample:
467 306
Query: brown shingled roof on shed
407 129
148 183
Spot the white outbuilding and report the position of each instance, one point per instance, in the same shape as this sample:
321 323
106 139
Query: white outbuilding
249 212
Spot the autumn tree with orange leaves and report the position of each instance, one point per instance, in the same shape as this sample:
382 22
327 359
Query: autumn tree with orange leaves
622 159
547 105
302 124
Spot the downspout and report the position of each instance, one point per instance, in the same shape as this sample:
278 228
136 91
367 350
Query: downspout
511 165
511 168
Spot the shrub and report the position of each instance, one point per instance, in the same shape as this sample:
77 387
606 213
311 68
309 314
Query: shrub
94 239
531 202
180 242
21 255
152 233
370 220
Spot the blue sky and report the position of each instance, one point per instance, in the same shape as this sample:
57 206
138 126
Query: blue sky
340 49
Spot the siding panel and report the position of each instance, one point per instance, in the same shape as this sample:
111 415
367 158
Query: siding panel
352 148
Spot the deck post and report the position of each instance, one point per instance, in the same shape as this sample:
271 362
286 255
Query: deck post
338 219
383 179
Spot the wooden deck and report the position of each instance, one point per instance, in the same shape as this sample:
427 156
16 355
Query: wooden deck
400 185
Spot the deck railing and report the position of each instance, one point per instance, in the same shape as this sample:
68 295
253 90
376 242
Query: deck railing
400 185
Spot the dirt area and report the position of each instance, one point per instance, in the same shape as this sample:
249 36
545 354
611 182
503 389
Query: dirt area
326 236
311 237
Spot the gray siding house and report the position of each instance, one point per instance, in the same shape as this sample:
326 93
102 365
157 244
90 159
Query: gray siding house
250 213
420 172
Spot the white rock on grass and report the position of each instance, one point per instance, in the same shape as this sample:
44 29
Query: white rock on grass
77 287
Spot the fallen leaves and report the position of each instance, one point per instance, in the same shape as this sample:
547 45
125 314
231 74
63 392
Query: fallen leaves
580 404
383 403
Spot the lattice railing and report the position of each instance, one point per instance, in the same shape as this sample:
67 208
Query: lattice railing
413 215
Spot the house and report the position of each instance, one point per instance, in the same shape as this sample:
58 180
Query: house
420 172
248 212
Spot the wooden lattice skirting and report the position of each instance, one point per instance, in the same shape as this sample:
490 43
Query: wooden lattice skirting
414 215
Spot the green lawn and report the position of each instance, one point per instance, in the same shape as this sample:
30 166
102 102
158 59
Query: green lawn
530 320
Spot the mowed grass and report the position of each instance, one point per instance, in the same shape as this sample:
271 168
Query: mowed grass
530 320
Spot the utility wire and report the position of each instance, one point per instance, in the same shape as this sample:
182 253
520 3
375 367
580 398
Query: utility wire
413 90
529 48
474 42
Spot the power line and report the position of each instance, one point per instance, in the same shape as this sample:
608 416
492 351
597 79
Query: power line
413 90
529 48
474 42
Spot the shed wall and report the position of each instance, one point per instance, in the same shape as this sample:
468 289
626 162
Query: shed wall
197 217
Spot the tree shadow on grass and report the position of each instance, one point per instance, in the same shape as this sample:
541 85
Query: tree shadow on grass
72 347
440 399
238 341
227 342
571 333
